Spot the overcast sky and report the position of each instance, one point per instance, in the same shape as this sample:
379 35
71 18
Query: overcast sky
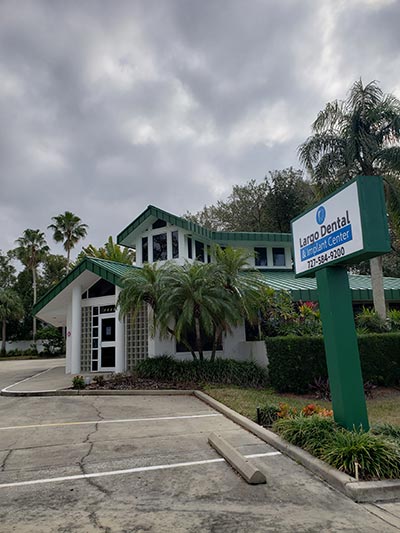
108 106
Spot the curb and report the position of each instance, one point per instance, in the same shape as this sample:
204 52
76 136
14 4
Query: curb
99 392
359 491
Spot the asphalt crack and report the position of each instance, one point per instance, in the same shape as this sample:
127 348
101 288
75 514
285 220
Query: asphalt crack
3 464
82 460
96 522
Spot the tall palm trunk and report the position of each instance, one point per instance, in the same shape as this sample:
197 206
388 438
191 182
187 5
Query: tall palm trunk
68 258
378 292
198 338
217 336
3 337
34 302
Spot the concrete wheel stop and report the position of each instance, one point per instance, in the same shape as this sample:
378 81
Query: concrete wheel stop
250 473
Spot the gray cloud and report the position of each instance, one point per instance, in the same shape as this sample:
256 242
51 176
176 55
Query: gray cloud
106 107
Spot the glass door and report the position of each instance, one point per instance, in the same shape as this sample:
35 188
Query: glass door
107 343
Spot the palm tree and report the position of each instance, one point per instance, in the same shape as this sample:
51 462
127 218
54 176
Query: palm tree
11 308
195 299
141 286
207 299
69 229
359 135
244 284
110 251
31 251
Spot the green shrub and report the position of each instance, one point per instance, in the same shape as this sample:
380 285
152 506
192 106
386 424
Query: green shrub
394 318
379 458
380 358
99 380
223 371
387 430
53 341
78 382
369 320
295 363
267 415
309 432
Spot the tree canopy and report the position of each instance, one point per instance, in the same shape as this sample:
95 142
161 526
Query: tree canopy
68 229
265 206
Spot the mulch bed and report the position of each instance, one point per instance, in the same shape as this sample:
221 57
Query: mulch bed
129 382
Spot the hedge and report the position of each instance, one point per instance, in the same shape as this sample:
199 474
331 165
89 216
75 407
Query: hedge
295 362
221 371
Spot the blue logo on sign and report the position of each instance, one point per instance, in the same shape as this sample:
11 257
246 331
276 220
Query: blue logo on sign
321 214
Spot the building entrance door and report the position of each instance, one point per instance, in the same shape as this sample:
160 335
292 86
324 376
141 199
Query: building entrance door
107 343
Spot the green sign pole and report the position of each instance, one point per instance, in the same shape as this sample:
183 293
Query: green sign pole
341 347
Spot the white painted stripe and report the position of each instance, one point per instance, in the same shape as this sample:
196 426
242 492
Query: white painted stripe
127 471
27 379
118 421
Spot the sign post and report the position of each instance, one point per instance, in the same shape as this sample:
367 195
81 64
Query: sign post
345 227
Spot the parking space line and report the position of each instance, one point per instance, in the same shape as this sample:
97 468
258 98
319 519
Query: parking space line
117 421
127 471
27 379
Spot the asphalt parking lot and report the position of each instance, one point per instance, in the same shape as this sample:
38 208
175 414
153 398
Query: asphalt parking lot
142 463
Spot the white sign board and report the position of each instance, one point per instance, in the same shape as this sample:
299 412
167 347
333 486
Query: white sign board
329 232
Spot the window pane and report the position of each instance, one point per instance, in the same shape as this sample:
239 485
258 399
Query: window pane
159 224
95 332
208 254
145 250
261 257
95 310
101 288
190 248
108 357
160 247
199 246
175 245
279 257
95 321
108 329
94 366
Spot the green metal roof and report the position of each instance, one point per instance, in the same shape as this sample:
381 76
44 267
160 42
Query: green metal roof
108 270
216 236
306 288
300 288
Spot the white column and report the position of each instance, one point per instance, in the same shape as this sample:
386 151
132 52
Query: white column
76 330
181 241
68 340
120 365
139 257
169 245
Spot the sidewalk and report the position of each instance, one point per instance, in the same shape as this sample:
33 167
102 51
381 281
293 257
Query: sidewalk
52 379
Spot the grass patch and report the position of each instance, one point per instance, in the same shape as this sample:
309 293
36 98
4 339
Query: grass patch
383 408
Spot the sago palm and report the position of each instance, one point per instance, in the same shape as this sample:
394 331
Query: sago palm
358 136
